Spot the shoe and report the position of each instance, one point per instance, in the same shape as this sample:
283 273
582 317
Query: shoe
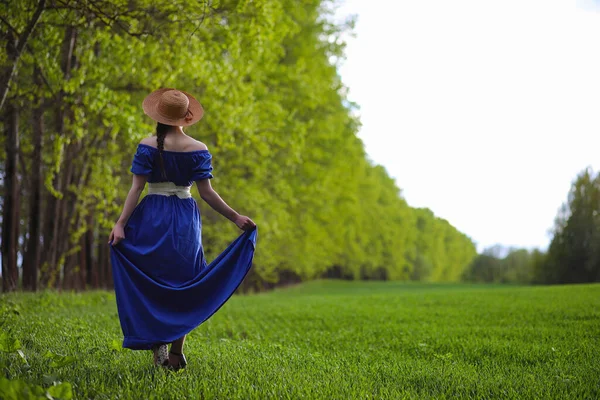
181 363
161 355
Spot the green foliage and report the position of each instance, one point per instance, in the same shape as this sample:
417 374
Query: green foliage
277 121
58 360
21 390
441 253
62 391
500 265
8 344
324 339
574 253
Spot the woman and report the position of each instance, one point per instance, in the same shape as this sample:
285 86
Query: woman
164 287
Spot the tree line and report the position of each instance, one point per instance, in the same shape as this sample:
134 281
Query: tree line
277 121
573 255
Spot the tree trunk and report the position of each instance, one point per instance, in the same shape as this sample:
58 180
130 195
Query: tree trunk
81 180
32 257
17 45
10 206
100 265
66 206
92 268
108 266
104 264
46 256
52 242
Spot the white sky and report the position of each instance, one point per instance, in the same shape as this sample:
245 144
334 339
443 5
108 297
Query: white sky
484 111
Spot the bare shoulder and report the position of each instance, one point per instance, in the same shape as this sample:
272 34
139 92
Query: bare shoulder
195 145
149 141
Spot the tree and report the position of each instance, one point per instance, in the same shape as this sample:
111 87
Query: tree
282 133
574 252
498 264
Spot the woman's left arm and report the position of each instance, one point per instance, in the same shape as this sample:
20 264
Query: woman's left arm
118 232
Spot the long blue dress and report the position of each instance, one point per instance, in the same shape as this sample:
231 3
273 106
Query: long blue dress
164 287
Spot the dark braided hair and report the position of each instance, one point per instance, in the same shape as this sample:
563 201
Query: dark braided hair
161 132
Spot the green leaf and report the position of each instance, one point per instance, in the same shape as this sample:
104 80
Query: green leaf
20 390
62 361
115 345
8 344
62 391
58 360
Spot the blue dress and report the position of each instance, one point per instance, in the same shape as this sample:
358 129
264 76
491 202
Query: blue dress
163 284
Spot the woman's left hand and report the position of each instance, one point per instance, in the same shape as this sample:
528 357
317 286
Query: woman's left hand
117 234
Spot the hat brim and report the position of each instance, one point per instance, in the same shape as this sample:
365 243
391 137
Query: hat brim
150 106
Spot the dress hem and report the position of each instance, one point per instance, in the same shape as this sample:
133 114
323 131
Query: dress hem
139 343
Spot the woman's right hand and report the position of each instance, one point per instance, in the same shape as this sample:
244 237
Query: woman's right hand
244 223
117 234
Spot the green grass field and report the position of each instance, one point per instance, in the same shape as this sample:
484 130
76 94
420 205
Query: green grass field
321 340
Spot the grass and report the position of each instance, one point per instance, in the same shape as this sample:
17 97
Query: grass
321 340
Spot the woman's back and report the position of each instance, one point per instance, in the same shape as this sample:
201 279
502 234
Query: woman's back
179 143
183 167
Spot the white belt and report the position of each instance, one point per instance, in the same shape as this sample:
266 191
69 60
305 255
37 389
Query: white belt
169 189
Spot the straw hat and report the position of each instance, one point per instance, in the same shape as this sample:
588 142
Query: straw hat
172 107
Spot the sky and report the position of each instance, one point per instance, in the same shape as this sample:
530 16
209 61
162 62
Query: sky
483 111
